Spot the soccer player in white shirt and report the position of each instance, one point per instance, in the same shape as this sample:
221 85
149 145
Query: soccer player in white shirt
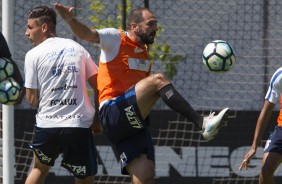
56 71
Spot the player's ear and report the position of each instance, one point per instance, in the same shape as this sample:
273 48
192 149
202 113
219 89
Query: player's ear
134 27
137 28
44 27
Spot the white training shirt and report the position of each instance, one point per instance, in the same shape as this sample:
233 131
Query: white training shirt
275 87
110 43
59 69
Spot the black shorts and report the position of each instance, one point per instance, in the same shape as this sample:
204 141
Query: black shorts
274 142
76 146
133 146
121 117
126 128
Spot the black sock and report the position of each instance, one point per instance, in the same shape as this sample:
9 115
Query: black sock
176 102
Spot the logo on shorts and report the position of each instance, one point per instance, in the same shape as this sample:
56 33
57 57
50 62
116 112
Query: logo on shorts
132 117
267 144
44 158
78 170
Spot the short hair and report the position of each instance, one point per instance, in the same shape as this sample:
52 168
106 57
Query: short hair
136 16
44 14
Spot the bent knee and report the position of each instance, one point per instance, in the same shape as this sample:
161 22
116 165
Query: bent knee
146 180
159 76
160 80
145 177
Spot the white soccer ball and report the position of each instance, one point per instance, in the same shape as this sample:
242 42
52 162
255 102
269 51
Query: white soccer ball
6 68
219 56
9 91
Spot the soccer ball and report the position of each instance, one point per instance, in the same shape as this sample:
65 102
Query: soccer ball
9 91
6 68
219 56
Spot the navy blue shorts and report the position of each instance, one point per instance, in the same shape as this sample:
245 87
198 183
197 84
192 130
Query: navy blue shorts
121 117
126 129
133 146
75 144
274 142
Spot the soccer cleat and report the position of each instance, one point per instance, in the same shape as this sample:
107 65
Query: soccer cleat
212 123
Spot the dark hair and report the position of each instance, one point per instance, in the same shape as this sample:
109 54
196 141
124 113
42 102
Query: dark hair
44 14
136 16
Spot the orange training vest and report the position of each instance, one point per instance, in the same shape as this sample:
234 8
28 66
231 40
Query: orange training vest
279 119
129 66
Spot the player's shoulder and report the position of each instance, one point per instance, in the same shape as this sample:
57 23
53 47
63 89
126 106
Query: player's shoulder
277 76
67 41
278 72
32 52
108 31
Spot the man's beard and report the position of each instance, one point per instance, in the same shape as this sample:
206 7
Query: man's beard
147 39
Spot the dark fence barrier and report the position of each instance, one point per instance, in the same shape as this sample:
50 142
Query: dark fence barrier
182 156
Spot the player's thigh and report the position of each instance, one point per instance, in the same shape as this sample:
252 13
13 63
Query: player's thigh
46 144
40 166
271 161
141 168
121 117
272 156
146 98
147 92
79 152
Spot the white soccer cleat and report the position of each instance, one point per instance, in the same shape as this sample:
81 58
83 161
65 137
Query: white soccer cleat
212 123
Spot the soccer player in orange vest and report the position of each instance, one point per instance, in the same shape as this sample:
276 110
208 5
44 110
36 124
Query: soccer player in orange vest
127 91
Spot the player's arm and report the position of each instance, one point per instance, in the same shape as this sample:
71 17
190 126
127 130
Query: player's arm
96 125
32 97
262 123
93 83
78 28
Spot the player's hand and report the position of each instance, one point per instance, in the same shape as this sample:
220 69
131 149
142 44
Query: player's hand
65 11
96 126
21 97
247 158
